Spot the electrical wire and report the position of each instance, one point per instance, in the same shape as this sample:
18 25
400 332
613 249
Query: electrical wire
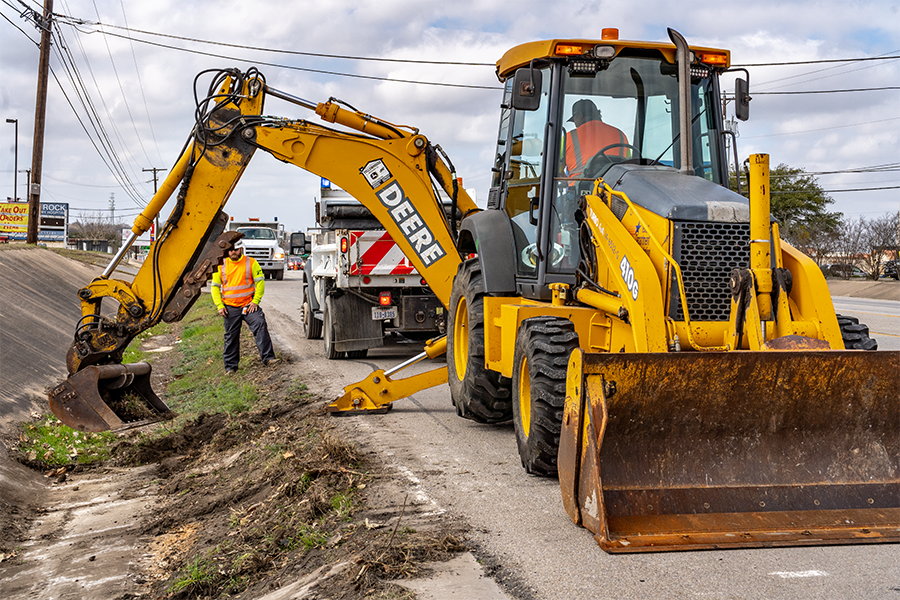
137 72
292 67
272 50
816 62
878 89
112 62
135 194
112 161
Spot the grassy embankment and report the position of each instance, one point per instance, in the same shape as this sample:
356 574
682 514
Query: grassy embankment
197 387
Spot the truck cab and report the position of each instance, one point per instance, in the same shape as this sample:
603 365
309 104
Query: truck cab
264 241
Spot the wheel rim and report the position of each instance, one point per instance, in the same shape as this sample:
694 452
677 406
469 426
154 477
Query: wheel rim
461 338
525 397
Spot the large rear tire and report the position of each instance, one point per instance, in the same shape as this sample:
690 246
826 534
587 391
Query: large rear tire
477 393
328 331
855 334
543 346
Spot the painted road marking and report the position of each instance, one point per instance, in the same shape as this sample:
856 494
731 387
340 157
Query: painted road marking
797 574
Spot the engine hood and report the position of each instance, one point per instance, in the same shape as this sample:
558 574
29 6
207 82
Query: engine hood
673 195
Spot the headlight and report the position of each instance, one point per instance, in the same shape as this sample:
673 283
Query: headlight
279 255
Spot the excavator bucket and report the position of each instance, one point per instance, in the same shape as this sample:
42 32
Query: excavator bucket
688 451
103 397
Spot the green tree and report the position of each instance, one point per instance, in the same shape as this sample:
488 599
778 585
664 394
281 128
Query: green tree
800 206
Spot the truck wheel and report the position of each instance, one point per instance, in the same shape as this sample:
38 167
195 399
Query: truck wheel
279 275
312 327
477 393
543 346
328 330
855 334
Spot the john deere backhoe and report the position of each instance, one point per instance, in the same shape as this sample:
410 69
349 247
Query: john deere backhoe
655 342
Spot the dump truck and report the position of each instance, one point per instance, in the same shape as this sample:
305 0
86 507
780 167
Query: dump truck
658 347
359 286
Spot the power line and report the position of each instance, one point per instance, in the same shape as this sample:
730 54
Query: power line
77 21
122 89
820 129
295 68
878 89
816 62
141 86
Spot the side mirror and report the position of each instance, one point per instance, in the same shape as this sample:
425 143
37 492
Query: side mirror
298 242
741 99
526 92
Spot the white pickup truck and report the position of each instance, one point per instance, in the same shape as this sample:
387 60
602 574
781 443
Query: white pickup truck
359 285
264 241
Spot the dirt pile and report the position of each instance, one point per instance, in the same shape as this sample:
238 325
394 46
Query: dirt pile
251 503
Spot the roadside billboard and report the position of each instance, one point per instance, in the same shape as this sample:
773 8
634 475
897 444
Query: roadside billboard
52 227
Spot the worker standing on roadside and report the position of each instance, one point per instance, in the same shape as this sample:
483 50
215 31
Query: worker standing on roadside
237 289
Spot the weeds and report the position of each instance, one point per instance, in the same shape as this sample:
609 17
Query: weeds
53 444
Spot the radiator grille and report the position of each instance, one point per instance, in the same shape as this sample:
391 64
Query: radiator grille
707 252
258 253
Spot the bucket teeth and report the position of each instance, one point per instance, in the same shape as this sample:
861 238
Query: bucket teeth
104 397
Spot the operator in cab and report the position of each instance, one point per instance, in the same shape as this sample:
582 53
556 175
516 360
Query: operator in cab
237 289
590 136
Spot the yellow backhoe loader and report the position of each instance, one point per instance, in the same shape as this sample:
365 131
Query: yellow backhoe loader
657 345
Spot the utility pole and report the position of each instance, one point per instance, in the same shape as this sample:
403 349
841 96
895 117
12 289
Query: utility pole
112 208
40 111
155 171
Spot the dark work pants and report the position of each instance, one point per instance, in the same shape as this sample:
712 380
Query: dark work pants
257 323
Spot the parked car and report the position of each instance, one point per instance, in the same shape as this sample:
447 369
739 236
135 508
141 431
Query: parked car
295 263
843 270
891 269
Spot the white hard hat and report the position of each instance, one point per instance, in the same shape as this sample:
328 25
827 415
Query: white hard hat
238 244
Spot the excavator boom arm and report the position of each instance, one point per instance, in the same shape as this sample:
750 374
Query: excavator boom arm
393 170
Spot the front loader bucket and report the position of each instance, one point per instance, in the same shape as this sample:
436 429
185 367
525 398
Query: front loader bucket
687 451
104 397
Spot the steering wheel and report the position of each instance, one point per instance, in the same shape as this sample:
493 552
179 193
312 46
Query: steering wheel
529 255
601 161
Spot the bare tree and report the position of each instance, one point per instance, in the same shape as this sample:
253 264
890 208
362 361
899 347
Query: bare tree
850 243
96 226
879 242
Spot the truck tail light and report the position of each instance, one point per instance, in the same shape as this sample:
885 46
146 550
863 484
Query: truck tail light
423 282
367 280
345 244
384 298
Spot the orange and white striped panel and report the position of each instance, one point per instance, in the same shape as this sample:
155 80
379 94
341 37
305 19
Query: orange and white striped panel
375 253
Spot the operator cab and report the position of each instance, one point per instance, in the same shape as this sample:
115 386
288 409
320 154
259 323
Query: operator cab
573 109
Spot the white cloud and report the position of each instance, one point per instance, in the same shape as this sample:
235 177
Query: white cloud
463 121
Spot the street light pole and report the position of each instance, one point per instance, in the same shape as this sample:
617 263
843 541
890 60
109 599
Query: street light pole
15 196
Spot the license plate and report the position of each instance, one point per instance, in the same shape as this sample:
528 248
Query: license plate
380 314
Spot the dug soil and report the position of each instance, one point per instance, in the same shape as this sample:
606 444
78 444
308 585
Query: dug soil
253 505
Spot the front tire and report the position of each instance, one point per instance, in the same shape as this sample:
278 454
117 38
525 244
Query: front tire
855 334
543 346
477 393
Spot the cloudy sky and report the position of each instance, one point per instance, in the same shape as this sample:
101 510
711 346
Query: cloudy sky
142 91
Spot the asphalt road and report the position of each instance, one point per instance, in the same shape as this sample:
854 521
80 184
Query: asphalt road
474 471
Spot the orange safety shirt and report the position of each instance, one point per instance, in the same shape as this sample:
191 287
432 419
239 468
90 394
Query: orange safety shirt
237 282
587 140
